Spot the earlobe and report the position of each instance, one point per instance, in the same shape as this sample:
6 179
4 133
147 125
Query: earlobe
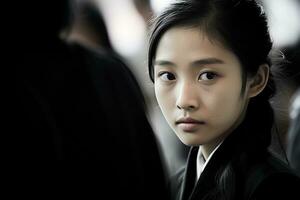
259 81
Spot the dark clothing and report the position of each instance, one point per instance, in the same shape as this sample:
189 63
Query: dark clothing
256 175
74 103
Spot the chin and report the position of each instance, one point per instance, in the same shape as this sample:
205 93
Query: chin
190 141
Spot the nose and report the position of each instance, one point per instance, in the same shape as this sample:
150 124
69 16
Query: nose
187 97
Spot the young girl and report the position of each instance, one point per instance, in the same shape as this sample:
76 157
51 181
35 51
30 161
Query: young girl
209 63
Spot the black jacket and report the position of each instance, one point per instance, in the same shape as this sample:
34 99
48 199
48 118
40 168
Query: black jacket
257 175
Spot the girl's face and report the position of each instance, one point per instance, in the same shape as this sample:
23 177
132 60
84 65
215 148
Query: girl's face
198 86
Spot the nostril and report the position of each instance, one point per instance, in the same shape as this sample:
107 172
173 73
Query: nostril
190 107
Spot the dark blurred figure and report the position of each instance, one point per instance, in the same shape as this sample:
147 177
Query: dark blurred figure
292 67
293 140
89 26
288 81
75 103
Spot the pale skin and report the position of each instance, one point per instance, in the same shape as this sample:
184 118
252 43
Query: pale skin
198 86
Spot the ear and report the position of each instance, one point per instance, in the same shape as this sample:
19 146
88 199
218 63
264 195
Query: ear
259 81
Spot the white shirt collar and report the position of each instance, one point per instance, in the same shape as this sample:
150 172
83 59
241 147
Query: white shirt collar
201 162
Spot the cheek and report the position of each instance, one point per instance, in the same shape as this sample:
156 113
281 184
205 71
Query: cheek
225 105
158 93
164 99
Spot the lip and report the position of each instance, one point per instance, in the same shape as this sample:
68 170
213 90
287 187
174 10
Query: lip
188 124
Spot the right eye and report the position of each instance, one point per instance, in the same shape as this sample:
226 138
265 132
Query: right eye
167 76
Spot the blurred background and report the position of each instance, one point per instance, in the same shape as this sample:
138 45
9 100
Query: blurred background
123 26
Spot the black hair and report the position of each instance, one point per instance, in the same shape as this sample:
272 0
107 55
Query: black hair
240 26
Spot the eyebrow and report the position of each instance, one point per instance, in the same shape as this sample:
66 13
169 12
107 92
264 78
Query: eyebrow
207 61
204 61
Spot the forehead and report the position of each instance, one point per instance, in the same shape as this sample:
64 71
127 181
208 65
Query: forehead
180 37
179 33
183 46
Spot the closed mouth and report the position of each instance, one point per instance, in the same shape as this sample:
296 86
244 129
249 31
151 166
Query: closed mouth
188 121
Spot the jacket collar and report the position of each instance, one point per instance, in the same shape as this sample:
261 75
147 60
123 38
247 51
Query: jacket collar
207 181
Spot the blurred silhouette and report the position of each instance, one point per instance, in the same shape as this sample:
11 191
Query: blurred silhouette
78 103
89 26
292 70
287 80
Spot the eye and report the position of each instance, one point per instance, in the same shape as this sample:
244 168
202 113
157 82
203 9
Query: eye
207 76
167 76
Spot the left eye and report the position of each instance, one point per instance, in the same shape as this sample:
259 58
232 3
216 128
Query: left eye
206 76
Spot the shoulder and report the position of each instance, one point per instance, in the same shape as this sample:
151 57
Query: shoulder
108 72
272 179
96 56
100 62
88 56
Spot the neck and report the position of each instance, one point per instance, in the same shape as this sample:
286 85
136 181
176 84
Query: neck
208 148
